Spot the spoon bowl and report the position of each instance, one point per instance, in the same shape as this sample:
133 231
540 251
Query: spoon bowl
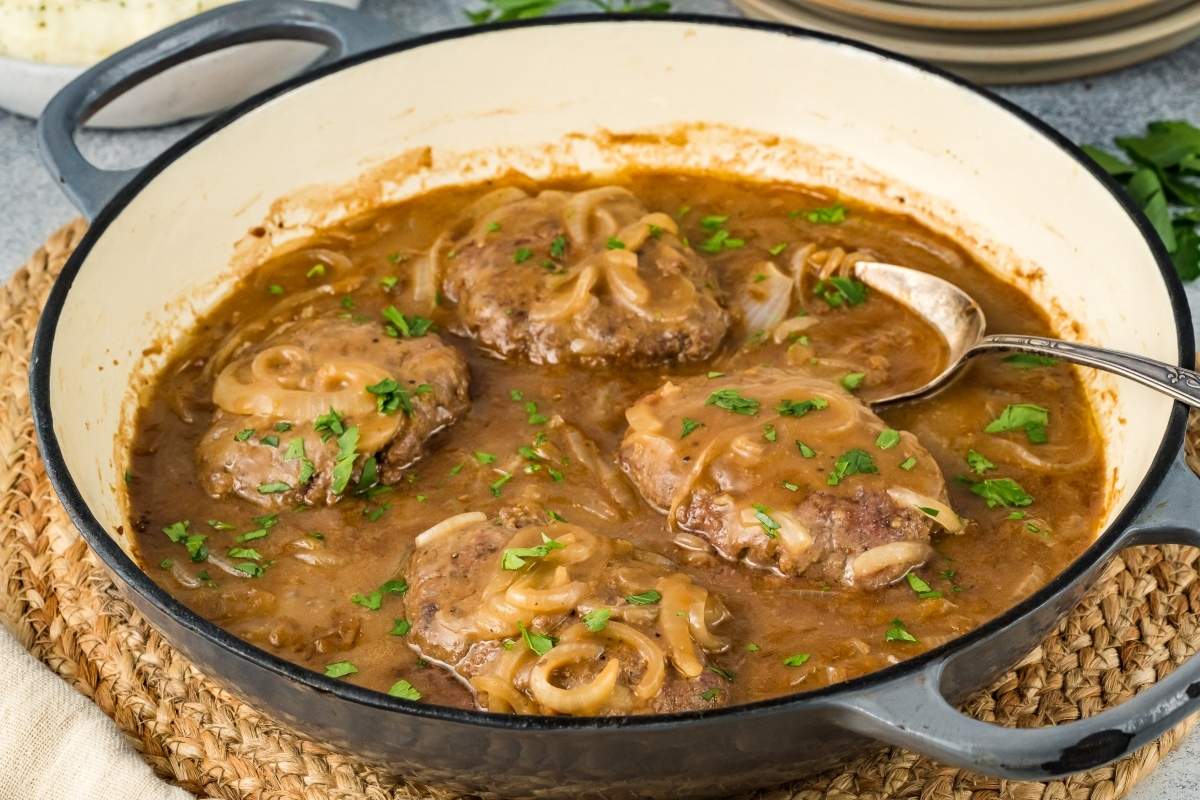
961 322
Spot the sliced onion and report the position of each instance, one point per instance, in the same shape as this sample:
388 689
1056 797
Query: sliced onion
447 526
620 268
764 304
789 327
588 698
642 419
793 535
635 235
578 213
895 557
945 516
570 301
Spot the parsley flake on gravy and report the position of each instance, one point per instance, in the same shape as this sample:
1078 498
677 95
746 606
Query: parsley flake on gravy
896 632
404 690
796 660
768 523
798 408
922 589
837 291
340 669
851 462
646 598
887 439
689 427
852 380
514 558
1002 492
597 619
1028 417
539 643
732 400
978 462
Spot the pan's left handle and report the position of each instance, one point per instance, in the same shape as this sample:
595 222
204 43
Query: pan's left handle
342 30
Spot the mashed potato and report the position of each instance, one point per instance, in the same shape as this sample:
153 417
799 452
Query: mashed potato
85 31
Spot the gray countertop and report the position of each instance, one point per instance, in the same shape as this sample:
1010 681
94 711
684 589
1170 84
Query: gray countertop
1092 110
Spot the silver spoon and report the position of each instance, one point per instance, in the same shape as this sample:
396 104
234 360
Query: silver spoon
960 320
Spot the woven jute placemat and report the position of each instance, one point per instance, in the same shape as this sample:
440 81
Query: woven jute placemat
1137 624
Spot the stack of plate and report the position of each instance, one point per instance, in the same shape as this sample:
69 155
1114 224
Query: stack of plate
1002 41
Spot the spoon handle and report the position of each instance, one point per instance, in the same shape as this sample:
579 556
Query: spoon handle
1181 384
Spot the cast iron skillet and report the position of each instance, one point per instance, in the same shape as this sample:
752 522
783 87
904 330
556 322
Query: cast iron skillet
705 752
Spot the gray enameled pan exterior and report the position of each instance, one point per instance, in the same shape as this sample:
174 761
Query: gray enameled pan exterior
697 753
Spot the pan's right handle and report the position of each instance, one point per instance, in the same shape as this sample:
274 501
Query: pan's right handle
344 31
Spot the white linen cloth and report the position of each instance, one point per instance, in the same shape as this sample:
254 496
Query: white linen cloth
56 745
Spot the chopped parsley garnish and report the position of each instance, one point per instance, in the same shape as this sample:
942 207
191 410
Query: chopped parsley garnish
852 380
1029 360
791 487
646 598
522 255
908 464
596 619
1028 417
400 627
710 694
826 215
388 282
776 249
555 516
1002 492
218 525
391 397
558 246
283 427
316 271
752 648
713 374
340 669
245 552
796 660
837 291
769 432
331 424
689 427
1016 515
805 450
270 440
295 452
407 327
498 484
896 632
244 434
978 462
539 643
516 557
347 302
250 536
535 417
887 439
614 243
798 408
922 589
374 600
250 569
732 400
273 487
721 240
851 462
493 226
768 523
721 672
404 690
713 221
275 288
928 511
344 466
177 531
167 563
484 458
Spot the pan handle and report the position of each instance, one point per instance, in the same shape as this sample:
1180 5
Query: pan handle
344 31
914 712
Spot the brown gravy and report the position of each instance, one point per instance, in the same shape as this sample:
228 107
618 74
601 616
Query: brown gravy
314 559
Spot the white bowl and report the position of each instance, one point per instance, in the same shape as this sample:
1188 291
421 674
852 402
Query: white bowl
194 89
